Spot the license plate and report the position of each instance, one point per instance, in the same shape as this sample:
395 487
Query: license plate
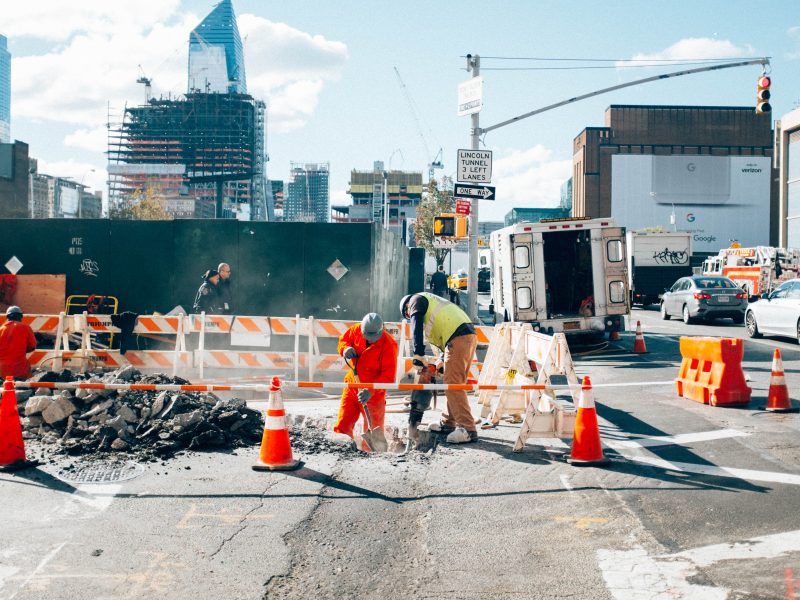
571 325
723 298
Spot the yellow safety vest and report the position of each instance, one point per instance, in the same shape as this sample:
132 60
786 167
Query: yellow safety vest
441 320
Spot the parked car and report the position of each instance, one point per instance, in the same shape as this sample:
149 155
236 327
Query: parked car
700 297
776 313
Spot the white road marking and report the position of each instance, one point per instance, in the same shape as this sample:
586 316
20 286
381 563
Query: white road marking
565 482
633 574
42 564
680 439
746 474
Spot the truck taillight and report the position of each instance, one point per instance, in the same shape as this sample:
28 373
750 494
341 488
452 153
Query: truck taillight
702 296
741 296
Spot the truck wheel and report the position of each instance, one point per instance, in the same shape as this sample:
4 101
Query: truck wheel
664 313
686 318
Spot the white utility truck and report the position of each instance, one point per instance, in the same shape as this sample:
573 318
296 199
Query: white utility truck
562 275
656 260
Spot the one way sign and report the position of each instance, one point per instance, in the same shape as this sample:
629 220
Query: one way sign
481 192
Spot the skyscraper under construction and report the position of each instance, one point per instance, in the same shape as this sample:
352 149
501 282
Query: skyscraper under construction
203 154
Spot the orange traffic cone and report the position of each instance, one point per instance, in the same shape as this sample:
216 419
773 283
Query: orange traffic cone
778 398
587 450
276 449
614 336
12 448
639 346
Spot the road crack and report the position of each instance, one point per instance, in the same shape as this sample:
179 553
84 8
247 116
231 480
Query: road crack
243 524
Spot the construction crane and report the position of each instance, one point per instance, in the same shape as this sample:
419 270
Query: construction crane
436 163
147 84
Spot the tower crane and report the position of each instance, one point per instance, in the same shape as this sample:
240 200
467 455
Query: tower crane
147 84
436 163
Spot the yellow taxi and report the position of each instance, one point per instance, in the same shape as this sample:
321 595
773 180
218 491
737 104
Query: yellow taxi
457 281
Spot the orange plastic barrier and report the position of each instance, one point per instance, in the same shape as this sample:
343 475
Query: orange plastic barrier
711 371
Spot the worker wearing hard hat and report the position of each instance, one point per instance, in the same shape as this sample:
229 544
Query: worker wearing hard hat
373 354
16 340
446 326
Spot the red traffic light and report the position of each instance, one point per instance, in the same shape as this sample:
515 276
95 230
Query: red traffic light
763 95
764 81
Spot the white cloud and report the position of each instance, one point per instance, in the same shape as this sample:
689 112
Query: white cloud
100 45
340 197
288 68
526 178
692 48
794 35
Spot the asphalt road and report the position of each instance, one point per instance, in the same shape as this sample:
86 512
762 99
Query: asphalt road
698 502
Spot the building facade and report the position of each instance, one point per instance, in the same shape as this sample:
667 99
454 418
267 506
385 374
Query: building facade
695 168
277 198
787 141
308 193
376 191
14 180
216 56
5 91
533 215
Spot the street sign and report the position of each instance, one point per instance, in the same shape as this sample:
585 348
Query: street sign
444 243
463 206
478 192
470 96
474 166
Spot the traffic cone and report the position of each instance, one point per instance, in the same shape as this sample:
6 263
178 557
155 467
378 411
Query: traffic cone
587 450
639 346
12 448
276 449
778 397
614 336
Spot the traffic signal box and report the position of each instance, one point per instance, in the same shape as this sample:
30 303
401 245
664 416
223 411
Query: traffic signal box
451 226
762 95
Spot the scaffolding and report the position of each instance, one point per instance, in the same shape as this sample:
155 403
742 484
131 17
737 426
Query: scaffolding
208 148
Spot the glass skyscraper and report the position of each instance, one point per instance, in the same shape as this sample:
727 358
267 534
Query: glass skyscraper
216 56
5 91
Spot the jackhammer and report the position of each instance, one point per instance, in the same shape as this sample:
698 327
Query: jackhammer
420 402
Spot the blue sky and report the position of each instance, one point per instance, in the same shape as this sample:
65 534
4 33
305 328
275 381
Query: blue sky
326 72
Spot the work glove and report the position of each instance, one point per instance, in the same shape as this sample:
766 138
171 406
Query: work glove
350 354
419 361
363 396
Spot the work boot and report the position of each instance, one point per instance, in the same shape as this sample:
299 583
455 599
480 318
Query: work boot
441 428
462 436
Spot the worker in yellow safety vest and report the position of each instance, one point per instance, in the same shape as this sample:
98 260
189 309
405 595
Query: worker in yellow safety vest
446 326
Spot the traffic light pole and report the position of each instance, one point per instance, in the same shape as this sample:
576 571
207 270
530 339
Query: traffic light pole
473 65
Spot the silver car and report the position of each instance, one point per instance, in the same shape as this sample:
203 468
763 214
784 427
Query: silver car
699 297
777 313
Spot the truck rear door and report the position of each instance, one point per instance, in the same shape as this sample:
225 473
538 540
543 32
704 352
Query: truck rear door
616 271
522 276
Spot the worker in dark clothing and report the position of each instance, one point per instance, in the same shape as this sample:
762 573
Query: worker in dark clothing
225 292
208 299
439 282
16 340
446 326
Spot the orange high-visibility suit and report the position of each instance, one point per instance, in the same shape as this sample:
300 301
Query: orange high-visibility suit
376 363
16 340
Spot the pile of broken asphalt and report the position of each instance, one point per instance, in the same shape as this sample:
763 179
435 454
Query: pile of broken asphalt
147 424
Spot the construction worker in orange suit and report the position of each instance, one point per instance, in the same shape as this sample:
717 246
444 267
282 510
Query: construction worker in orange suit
373 353
16 340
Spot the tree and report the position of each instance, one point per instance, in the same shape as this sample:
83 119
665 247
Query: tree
145 205
434 203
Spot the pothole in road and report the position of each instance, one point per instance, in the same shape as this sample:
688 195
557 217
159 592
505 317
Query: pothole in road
101 473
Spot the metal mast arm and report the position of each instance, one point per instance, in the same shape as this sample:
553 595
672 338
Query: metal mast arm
716 67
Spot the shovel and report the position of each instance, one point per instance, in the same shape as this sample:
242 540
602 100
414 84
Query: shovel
375 438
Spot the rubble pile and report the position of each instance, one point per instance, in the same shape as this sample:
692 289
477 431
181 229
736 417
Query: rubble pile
150 424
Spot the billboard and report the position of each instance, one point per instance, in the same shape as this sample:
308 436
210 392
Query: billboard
719 199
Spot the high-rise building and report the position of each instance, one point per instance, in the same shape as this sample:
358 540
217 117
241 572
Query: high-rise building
5 91
308 193
14 181
216 56
374 192
277 198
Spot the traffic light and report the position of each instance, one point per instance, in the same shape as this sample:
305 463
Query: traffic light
762 96
444 226
462 227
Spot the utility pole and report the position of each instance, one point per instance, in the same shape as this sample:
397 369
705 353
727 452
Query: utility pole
474 66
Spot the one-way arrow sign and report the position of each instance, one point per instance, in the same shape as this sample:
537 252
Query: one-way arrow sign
481 192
